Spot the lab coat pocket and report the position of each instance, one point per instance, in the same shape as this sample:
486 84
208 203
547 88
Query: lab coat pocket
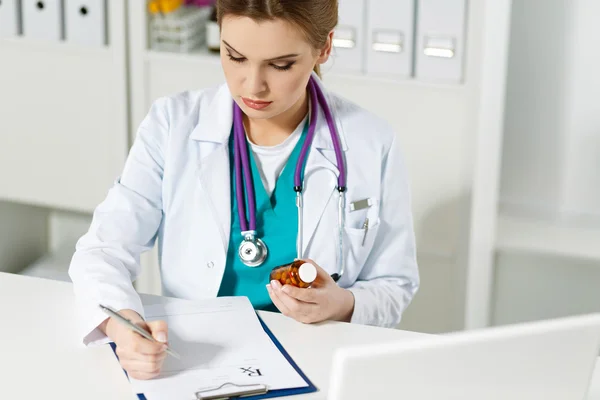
359 242
356 219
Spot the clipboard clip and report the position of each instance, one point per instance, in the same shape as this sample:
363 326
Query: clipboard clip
218 393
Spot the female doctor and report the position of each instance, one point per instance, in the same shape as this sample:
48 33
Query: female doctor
217 176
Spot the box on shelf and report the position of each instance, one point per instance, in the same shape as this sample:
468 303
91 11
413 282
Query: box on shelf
182 30
10 18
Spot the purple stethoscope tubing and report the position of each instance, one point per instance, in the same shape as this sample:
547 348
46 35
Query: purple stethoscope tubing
242 165
243 175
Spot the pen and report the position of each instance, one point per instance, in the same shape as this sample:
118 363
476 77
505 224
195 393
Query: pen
366 228
134 327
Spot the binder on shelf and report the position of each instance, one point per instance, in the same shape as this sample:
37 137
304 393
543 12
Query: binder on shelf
390 34
85 22
440 42
348 39
10 18
43 19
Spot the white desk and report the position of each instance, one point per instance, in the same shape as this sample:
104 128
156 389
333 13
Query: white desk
43 358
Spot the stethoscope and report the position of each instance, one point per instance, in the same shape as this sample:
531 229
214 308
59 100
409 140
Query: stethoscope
253 251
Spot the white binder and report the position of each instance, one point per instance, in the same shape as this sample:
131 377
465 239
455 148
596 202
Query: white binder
42 19
348 40
440 40
10 18
85 22
390 27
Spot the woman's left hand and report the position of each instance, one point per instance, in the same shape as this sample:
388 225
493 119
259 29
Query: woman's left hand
324 300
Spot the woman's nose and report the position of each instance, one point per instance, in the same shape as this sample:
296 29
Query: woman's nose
255 82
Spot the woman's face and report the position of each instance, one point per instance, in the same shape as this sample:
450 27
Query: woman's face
267 65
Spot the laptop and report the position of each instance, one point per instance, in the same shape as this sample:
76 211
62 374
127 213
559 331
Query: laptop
549 360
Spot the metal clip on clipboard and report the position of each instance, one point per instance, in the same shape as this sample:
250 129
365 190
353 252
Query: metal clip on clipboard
239 391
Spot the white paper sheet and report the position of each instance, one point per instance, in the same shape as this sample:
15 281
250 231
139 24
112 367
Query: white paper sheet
220 340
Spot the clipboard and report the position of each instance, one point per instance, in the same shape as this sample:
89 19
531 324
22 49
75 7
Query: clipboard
253 392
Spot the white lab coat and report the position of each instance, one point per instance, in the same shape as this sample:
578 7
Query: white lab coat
175 187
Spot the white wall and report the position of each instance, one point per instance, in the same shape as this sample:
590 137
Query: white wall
552 139
532 161
551 160
581 185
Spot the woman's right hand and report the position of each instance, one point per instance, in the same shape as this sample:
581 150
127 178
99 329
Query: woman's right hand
141 358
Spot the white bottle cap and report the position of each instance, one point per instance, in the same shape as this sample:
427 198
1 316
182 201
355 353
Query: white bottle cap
307 272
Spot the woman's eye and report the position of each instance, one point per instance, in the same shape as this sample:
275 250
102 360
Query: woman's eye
236 59
283 67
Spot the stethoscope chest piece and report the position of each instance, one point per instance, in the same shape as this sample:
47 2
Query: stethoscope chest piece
253 251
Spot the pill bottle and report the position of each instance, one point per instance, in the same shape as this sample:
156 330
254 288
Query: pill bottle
299 273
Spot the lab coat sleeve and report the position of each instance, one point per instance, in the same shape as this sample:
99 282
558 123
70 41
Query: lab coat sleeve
107 258
390 278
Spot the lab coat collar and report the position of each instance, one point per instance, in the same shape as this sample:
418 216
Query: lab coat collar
322 139
215 123
216 119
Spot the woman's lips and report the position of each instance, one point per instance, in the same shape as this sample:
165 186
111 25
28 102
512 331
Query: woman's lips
256 104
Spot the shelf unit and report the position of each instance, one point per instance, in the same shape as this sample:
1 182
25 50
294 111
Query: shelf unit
64 136
548 226
64 154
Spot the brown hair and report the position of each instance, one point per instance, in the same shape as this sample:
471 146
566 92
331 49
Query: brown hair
315 18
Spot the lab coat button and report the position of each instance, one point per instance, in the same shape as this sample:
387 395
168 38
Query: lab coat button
210 264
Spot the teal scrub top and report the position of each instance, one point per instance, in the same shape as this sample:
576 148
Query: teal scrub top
276 225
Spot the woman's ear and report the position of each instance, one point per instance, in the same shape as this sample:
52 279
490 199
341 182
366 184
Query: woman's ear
326 50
